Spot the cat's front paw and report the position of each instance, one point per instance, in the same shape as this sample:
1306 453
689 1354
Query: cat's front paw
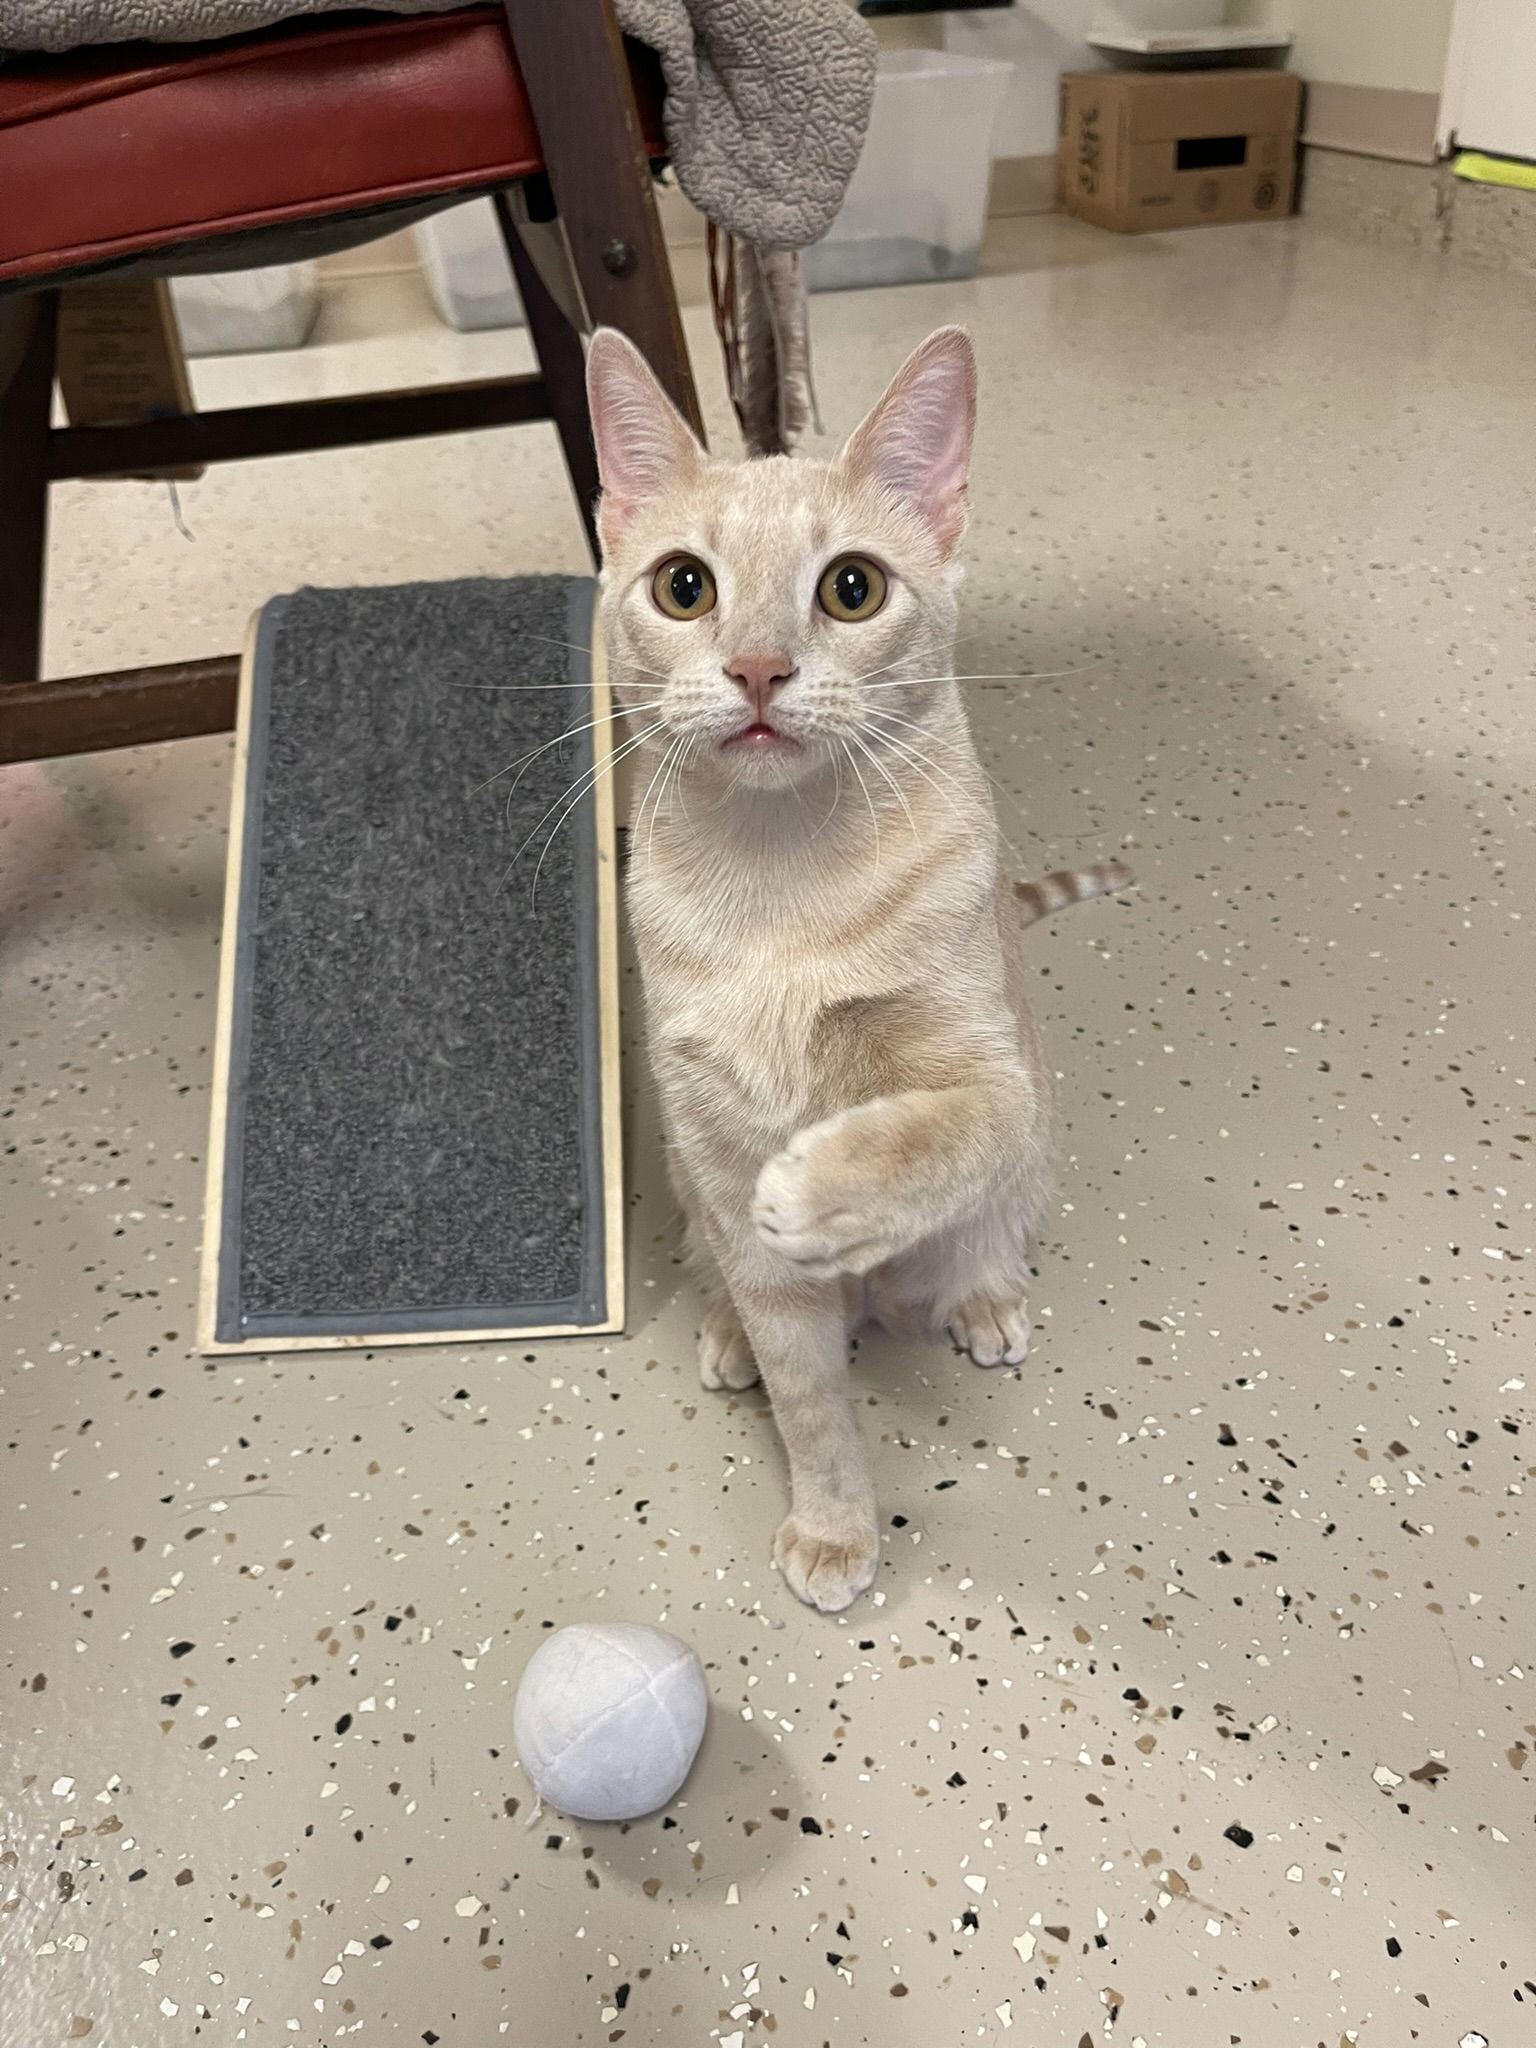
815 1207
826 1568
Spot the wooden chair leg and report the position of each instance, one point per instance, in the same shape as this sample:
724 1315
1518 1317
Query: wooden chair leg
27 328
562 363
571 55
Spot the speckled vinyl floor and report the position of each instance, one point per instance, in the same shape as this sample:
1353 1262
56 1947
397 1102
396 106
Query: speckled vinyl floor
1193 1705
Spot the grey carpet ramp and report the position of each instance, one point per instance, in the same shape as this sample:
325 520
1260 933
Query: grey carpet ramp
414 1121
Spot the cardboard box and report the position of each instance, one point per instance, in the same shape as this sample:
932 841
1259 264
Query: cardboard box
1142 150
119 358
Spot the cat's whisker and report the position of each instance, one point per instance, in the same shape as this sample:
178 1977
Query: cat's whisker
591 781
678 782
528 761
960 640
576 648
658 777
879 721
524 760
882 718
638 823
913 760
588 778
1033 675
799 796
682 787
837 795
883 669
900 794
873 818
1040 838
915 725
675 782
674 769
500 688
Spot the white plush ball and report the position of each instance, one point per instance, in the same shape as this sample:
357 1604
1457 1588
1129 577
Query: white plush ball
609 1718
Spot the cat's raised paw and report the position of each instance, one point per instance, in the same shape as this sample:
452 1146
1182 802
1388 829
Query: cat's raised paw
725 1354
990 1332
827 1570
814 1207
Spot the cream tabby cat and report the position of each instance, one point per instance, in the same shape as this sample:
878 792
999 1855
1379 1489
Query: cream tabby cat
856 1104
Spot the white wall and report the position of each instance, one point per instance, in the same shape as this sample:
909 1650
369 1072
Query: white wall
1399 44
1393 43
1490 83
1043 38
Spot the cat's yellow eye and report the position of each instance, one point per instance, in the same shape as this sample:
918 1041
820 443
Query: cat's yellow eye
852 588
683 588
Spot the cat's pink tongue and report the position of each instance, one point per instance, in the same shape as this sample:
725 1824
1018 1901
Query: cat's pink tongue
757 736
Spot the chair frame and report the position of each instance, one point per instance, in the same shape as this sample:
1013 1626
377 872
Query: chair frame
600 184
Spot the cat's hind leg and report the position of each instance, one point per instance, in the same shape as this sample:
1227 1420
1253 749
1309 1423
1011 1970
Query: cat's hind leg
725 1350
991 1330
968 1283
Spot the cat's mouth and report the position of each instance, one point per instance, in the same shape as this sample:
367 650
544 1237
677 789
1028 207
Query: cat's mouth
760 735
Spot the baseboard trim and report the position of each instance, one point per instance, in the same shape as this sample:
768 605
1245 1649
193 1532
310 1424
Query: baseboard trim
1022 184
1370 120
1419 206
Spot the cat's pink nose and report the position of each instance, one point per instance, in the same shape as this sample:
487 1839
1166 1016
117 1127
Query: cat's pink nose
759 676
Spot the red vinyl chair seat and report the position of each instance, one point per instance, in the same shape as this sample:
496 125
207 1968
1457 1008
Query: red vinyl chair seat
118 153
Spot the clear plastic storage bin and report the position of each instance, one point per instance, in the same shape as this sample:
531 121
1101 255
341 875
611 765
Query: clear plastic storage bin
918 201
469 273
236 312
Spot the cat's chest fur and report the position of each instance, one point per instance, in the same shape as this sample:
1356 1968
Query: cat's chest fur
757 1030
774 1047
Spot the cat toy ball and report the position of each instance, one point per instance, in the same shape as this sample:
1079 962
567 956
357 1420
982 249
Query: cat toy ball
609 1718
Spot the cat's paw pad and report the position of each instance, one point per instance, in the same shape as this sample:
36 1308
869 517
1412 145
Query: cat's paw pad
817 1217
828 1570
725 1355
992 1332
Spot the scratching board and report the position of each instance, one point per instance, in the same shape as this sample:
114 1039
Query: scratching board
415 1130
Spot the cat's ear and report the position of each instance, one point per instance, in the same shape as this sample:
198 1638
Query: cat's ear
917 441
643 444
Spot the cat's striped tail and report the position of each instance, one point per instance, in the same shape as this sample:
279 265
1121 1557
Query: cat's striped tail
1070 885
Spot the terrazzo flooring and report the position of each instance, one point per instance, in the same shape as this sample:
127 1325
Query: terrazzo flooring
1193 1703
